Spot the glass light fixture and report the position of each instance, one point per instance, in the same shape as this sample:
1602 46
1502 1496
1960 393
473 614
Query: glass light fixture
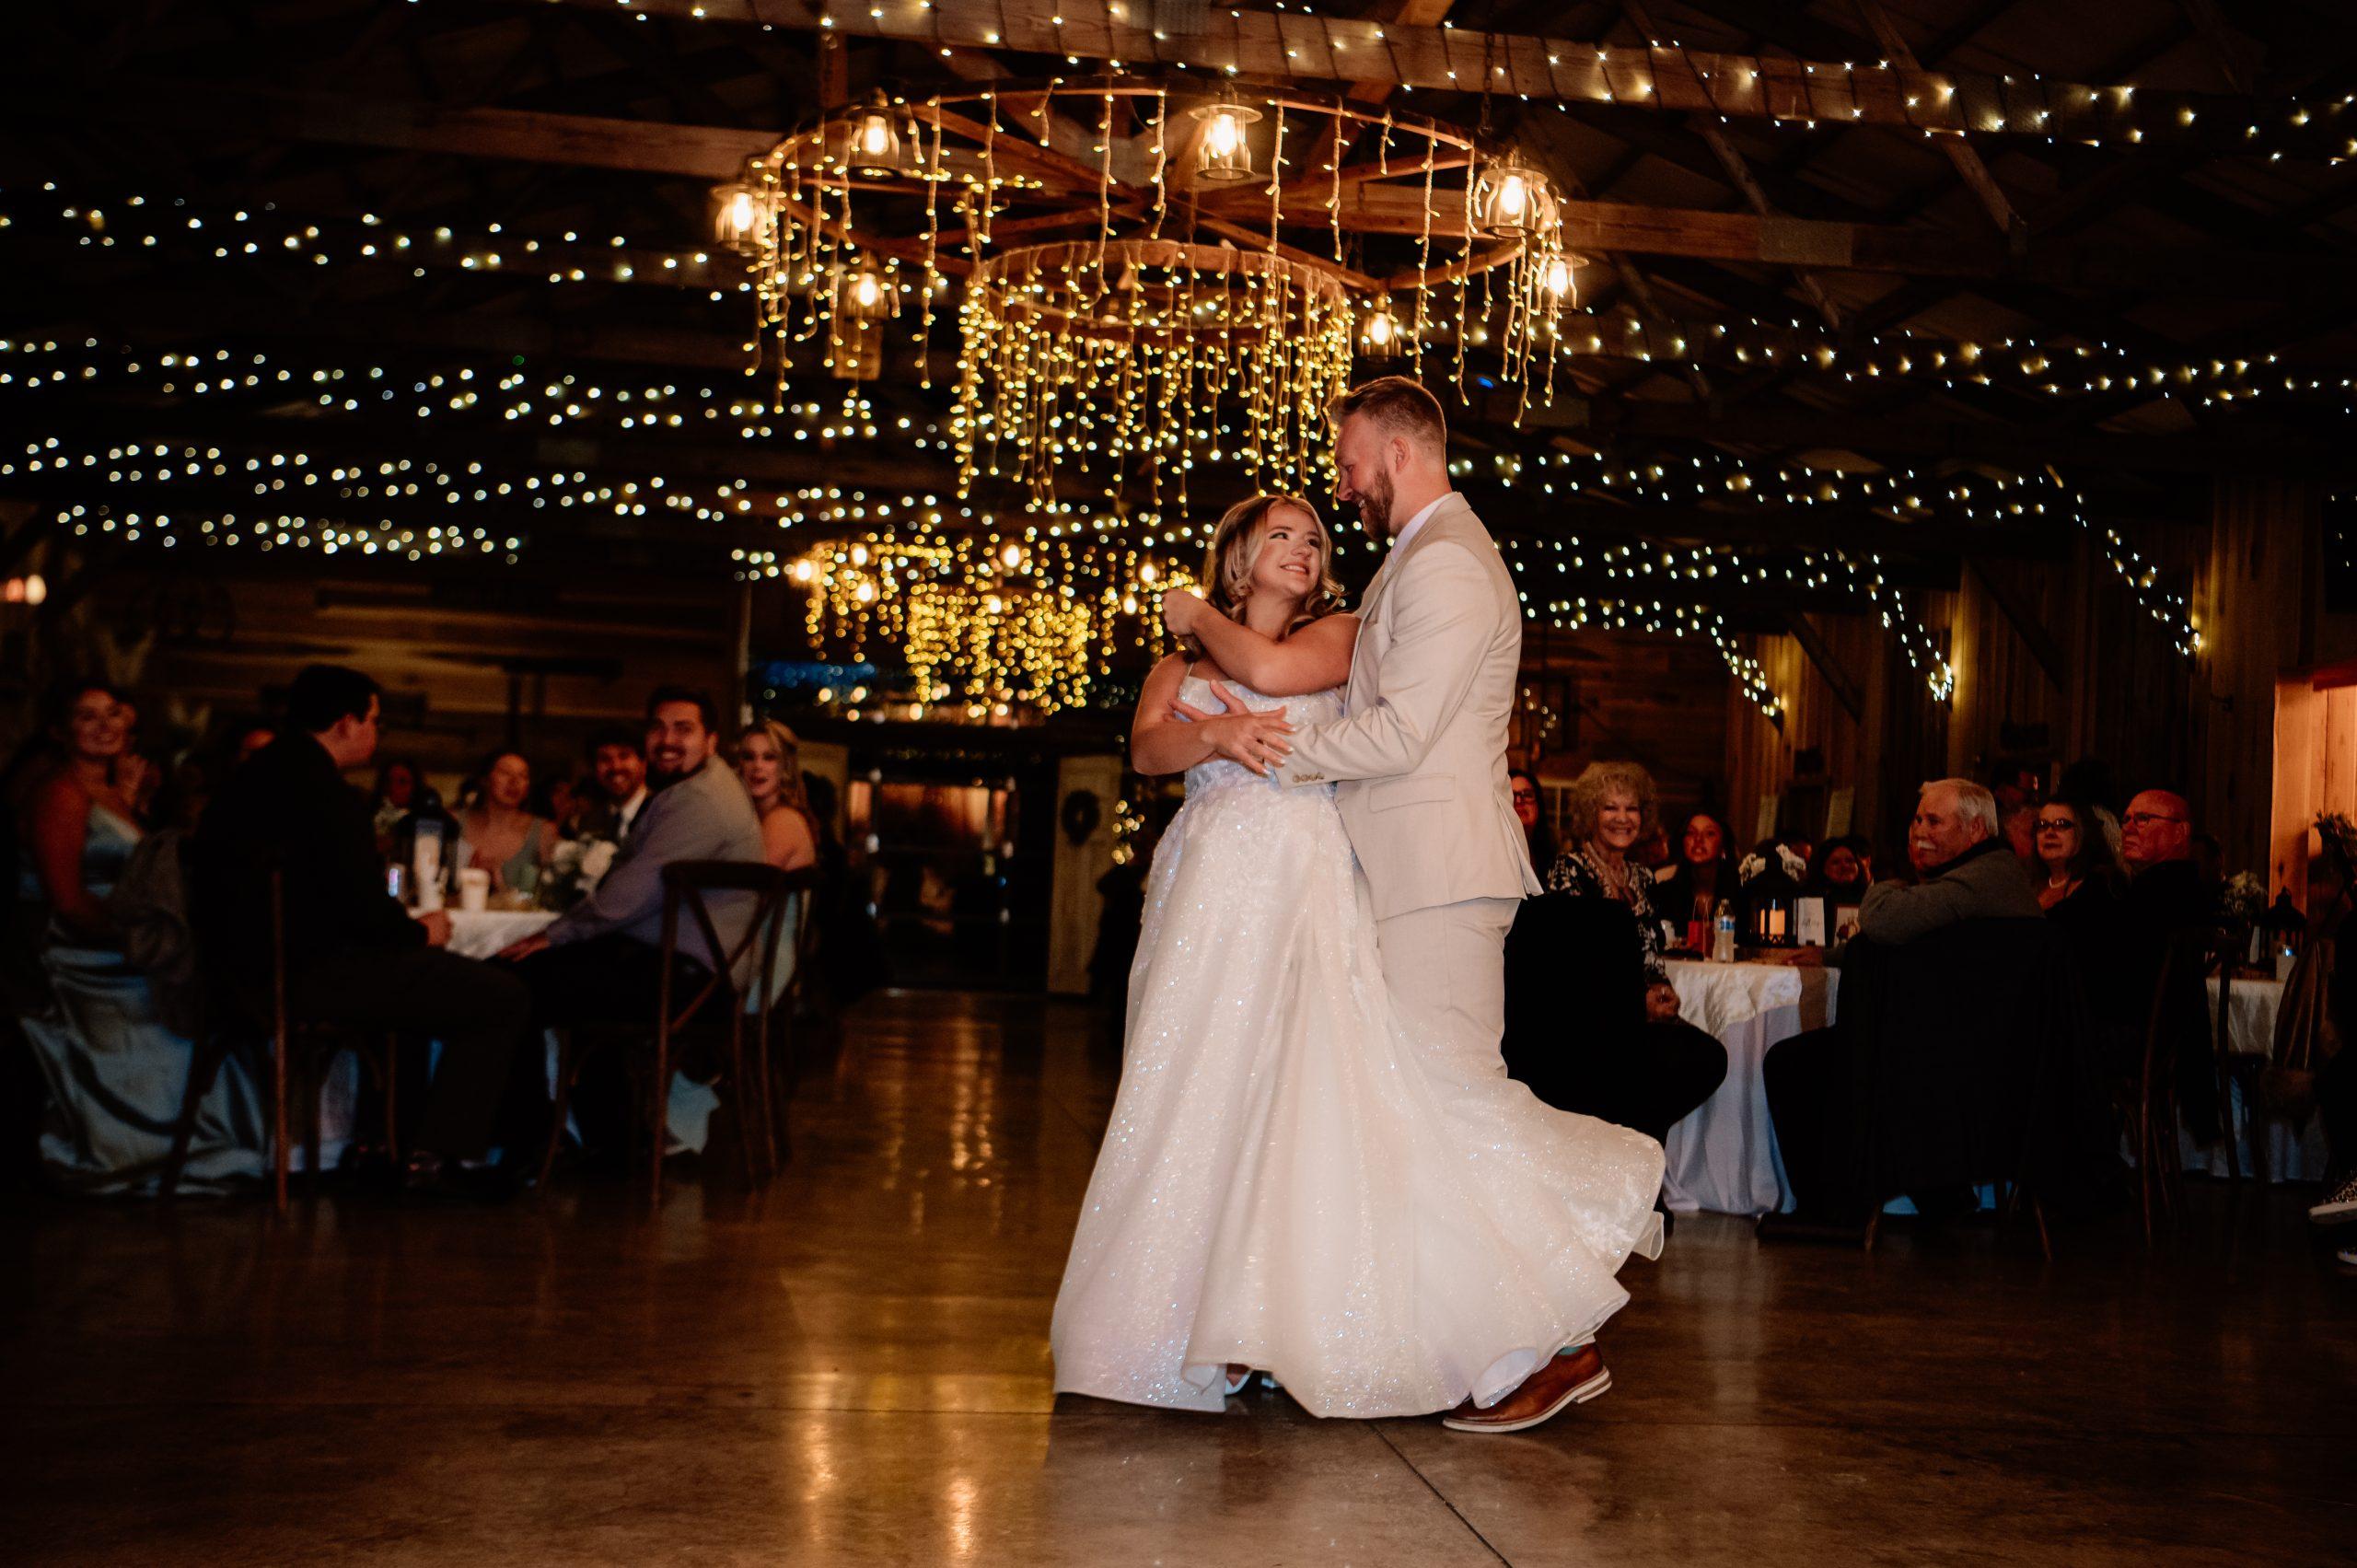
739 216
1556 278
864 294
1224 154
1380 335
873 144
1513 201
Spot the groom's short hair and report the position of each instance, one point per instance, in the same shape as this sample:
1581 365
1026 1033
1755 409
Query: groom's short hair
1398 406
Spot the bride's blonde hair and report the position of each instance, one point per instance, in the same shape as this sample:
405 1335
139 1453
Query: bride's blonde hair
1237 544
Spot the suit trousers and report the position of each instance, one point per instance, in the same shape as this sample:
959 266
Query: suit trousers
1445 967
610 980
475 1009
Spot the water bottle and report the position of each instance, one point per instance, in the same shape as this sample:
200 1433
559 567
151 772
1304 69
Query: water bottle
1722 933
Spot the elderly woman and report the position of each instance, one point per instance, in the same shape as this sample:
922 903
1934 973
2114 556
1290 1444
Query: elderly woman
1611 808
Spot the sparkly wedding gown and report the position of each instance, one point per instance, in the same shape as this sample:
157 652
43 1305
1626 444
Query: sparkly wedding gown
1289 1182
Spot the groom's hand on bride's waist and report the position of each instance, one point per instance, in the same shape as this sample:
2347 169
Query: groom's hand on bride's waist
1255 740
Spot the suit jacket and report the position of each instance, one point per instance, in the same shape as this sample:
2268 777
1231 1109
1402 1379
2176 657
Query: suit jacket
1419 754
288 806
705 816
1983 883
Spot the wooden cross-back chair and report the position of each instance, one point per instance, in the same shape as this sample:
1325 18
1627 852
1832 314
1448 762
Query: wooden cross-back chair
744 984
300 1053
2153 1118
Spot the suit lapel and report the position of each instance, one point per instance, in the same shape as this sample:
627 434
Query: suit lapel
1380 587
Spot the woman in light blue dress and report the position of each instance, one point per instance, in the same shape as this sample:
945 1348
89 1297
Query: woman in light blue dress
117 1072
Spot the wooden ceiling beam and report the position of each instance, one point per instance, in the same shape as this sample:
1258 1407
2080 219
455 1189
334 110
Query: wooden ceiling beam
1300 46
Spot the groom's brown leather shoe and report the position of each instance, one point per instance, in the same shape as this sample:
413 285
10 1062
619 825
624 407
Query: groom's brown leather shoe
1564 1381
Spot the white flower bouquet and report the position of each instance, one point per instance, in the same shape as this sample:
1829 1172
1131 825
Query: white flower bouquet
1788 860
575 869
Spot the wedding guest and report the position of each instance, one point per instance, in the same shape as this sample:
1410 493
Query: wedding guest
111 1052
617 770
1530 810
498 833
353 955
1967 871
1705 874
252 739
394 798
602 959
2165 904
1841 872
2078 855
556 800
1609 808
2017 789
768 764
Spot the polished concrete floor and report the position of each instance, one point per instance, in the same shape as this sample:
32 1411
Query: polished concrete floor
853 1369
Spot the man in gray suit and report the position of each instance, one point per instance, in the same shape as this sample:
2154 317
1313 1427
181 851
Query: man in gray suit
602 959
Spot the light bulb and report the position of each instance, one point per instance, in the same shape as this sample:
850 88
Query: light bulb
741 211
1558 277
865 291
1225 134
1512 196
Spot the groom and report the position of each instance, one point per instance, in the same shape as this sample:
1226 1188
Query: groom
1420 760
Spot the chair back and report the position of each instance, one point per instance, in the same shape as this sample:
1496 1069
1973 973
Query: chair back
1574 963
796 944
749 963
1975 1059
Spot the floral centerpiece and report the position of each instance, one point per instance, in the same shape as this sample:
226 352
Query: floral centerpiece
575 869
2243 899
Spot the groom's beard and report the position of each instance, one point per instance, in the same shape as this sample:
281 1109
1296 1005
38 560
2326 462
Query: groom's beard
1374 508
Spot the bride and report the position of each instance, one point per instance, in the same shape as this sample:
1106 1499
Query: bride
1287 1182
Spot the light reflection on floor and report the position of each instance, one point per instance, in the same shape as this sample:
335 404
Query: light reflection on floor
851 1368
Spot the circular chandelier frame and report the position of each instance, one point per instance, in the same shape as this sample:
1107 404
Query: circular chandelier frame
1003 190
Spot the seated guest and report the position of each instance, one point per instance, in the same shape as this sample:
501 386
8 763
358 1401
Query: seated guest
1841 872
497 833
252 739
353 955
1968 872
768 764
394 798
618 774
114 1064
1530 810
2078 852
601 961
1611 807
556 800
2017 789
1704 875
2165 896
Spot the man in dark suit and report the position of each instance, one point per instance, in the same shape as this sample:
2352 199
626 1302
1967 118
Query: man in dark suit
618 763
353 955
2166 904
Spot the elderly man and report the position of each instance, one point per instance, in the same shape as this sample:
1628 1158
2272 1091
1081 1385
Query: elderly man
2164 888
1967 871
2166 900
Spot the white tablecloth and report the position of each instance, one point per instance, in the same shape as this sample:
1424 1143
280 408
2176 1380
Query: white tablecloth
1722 1156
479 933
2294 1153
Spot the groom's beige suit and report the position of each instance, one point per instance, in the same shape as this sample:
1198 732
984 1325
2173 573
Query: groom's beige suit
1420 760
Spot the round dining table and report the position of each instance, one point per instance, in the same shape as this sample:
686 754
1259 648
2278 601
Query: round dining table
1722 1158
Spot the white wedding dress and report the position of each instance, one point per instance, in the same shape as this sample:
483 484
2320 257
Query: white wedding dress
1289 1182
